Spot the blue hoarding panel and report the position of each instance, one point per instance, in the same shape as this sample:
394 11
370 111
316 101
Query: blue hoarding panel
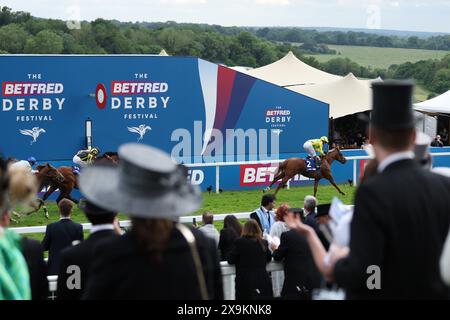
178 104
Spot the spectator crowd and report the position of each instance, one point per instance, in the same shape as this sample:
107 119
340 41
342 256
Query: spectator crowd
397 230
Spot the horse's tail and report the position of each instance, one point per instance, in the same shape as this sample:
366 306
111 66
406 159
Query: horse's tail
281 168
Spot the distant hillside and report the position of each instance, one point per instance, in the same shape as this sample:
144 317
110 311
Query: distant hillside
385 32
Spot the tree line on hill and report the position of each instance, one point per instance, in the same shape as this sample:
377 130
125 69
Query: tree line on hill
22 33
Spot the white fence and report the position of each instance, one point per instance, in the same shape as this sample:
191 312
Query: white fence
127 223
228 278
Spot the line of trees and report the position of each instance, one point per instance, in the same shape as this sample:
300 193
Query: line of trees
22 33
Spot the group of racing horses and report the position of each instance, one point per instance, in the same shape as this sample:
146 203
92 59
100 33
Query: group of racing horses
64 179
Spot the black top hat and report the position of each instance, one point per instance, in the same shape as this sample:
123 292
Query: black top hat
323 210
392 105
146 184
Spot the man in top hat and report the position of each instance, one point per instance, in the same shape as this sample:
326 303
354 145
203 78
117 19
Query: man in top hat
401 215
322 218
81 255
158 258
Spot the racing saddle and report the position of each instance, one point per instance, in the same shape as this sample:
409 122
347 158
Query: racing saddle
76 170
312 164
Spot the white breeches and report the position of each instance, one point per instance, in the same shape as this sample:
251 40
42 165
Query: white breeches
309 149
77 160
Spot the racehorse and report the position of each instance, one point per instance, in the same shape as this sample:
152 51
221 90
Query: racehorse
293 166
70 179
46 176
64 179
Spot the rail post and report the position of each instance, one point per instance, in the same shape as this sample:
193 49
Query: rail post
217 178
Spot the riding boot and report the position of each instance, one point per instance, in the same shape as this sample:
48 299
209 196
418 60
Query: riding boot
318 163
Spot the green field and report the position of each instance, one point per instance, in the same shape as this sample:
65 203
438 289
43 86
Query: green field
377 57
226 202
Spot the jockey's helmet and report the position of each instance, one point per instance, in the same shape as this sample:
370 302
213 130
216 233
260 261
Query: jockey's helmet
324 139
31 160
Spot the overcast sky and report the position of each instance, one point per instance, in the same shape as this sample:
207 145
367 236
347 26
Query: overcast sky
413 15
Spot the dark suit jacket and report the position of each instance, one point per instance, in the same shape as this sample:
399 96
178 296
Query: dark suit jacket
250 259
80 255
123 270
34 256
312 222
226 242
58 236
400 223
299 268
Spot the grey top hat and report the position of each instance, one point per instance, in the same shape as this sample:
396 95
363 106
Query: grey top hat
146 183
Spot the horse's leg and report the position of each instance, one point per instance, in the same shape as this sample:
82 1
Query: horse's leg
275 179
282 183
316 184
15 214
69 196
45 197
67 191
331 179
36 205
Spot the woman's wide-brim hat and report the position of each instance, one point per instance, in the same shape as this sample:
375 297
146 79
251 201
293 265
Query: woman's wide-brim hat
147 183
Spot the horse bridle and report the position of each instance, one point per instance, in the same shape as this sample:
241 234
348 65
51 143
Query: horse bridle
114 161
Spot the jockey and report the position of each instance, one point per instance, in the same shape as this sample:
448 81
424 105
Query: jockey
314 146
27 164
84 158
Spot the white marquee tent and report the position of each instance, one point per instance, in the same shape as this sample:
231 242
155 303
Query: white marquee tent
163 53
291 71
345 96
437 105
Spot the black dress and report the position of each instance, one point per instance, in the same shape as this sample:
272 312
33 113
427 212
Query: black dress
252 280
226 242
300 271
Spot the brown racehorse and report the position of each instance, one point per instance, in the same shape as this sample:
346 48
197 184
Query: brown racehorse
46 176
71 180
293 166
65 187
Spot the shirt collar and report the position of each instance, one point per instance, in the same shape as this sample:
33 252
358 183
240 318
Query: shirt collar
64 218
306 213
101 227
264 209
394 158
